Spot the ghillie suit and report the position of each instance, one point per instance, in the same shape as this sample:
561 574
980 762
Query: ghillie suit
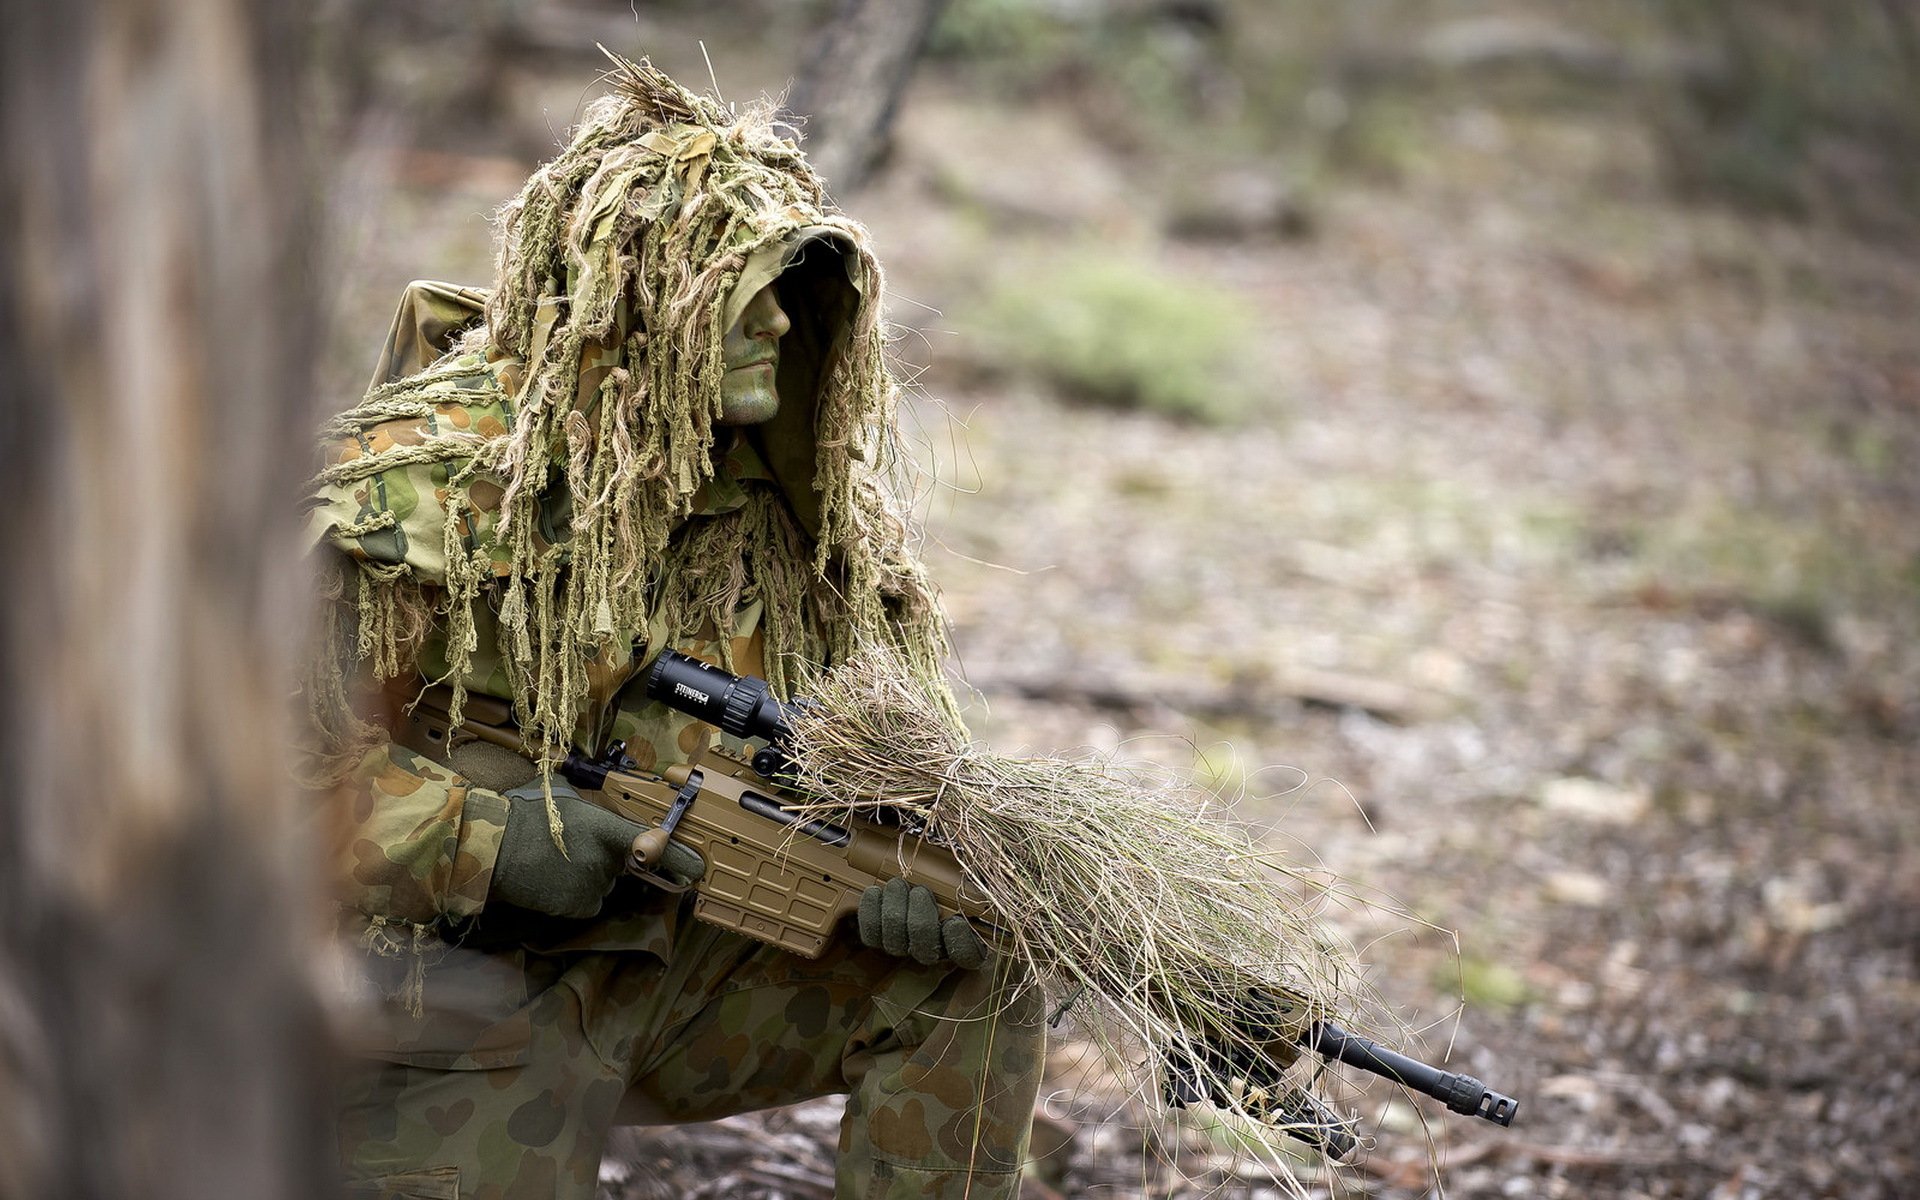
555 493
527 520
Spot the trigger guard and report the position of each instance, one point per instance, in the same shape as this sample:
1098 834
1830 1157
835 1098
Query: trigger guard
639 870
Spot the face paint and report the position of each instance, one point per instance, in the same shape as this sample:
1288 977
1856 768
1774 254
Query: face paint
751 353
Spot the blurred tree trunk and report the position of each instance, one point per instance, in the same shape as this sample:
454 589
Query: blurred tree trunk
851 82
159 1034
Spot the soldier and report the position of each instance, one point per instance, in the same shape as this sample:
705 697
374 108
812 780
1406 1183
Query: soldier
668 424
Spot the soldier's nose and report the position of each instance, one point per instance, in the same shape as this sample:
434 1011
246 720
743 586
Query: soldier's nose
765 318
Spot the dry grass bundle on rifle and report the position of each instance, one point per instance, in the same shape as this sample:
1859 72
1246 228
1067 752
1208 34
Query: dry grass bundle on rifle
1123 888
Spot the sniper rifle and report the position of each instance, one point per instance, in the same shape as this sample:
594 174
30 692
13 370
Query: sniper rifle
789 880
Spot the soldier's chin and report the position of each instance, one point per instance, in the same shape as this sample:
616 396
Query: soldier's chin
749 407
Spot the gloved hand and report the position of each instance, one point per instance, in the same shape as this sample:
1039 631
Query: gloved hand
531 873
904 920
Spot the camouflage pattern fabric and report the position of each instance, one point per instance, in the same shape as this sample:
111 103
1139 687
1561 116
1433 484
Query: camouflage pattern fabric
419 842
558 451
504 1089
397 516
431 315
500 1046
416 843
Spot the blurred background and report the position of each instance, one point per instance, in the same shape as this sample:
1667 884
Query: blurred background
1483 435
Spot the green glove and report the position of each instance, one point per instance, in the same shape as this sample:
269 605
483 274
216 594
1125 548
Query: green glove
531 873
904 920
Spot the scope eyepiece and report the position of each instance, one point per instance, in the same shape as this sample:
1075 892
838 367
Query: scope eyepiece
737 704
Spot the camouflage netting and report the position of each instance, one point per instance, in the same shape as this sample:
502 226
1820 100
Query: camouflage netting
568 538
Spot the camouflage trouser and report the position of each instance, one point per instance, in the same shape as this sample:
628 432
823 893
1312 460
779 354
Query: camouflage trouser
506 1088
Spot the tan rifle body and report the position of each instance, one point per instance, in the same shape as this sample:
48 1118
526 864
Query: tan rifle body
769 875
788 881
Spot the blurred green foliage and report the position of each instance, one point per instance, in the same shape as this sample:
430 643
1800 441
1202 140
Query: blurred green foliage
1142 70
995 28
1488 985
1805 572
1114 330
1220 769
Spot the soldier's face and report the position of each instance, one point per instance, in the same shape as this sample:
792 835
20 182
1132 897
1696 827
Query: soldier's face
751 352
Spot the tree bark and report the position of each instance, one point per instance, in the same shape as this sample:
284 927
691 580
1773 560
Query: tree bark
159 1034
851 83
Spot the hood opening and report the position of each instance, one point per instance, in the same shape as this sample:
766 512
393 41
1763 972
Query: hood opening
817 291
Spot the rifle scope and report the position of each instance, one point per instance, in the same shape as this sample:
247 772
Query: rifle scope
739 705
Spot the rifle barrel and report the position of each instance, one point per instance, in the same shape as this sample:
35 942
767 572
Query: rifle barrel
1461 1093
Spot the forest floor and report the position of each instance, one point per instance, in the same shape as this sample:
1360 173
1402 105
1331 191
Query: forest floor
1559 588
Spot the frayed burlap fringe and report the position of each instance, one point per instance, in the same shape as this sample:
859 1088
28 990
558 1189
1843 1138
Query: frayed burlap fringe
388 937
604 332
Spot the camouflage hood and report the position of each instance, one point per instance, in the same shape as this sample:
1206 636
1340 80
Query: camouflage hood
604 508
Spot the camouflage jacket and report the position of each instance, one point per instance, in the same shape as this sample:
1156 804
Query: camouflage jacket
418 842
